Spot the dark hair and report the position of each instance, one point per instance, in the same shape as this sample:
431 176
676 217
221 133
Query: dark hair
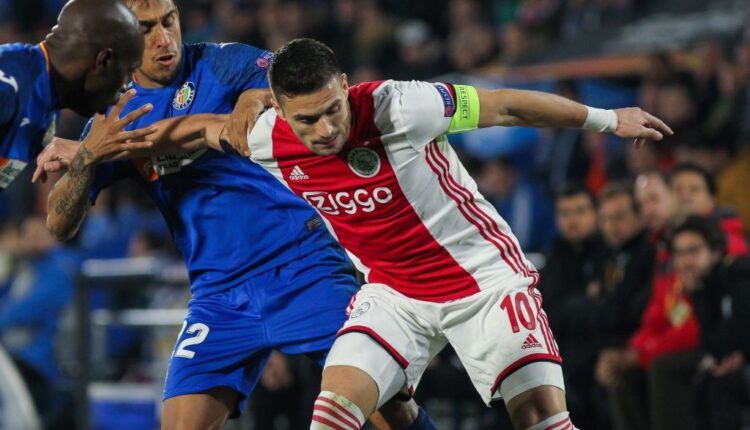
694 168
707 228
620 189
301 67
574 189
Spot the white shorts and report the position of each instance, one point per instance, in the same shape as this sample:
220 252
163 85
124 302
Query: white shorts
501 336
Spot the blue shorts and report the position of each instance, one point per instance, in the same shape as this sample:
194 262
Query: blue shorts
227 338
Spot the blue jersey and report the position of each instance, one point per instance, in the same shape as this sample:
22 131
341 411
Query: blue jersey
27 107
230 218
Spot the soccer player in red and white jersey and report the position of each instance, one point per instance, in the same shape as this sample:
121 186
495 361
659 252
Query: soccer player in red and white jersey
441 265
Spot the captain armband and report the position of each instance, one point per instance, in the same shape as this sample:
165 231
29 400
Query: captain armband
466 117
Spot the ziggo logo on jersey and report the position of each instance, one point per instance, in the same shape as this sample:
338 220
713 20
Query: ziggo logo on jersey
349 203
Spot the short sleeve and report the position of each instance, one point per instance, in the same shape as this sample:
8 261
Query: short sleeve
239 66
424 111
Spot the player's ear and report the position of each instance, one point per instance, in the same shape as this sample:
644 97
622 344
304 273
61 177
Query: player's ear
103 62
344 82
277 107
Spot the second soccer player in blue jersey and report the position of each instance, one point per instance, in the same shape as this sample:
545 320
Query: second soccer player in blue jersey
265 273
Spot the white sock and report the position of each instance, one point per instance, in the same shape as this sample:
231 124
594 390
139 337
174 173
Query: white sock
560 421
335 412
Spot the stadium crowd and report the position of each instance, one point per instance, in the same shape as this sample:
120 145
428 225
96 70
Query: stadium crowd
645 273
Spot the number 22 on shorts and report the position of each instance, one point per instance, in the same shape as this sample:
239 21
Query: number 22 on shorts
519 309
201 331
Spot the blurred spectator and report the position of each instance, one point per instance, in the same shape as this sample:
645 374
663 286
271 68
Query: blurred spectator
563 158
339 32
584 16
621 295
32 301
661 69
373 35
694 190
638 376
571 268
624 287
732 183
464 14
720 294
641 160
515 43
655 201
540 17
483 48
198 23
520 202
573 260
676 104
418 52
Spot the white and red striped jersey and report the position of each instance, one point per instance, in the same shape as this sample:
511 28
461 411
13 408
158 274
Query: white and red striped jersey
397 197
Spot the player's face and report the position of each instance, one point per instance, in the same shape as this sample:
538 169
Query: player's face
691 194
321 120
655 200
693 257
576 217
109 77
619 220
160 23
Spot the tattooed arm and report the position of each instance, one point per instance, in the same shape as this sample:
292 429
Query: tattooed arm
67 202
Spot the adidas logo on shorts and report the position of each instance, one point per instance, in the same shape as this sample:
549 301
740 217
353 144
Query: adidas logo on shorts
531 342
298 174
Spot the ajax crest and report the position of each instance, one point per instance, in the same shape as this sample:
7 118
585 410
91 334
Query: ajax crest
364 162
184 96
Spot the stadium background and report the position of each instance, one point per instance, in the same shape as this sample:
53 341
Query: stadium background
686 61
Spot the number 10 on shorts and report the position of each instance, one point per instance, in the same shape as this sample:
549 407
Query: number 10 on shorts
201 332
519 309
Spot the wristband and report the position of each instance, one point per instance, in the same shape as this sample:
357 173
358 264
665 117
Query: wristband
601 120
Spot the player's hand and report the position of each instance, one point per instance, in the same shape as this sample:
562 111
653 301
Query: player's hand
249 106
635 123
108 139
54 158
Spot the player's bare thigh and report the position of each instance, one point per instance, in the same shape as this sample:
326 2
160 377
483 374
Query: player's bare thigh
205 411
536 405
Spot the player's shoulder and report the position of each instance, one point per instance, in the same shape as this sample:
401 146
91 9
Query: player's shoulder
391 88
20 63
229 55
231 62
10 52
398 96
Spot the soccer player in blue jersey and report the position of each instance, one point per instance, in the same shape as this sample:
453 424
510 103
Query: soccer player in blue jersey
265 273
83 64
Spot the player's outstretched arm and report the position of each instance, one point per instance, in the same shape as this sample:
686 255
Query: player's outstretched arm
508 107
169 136
187 133
199 131
67 202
